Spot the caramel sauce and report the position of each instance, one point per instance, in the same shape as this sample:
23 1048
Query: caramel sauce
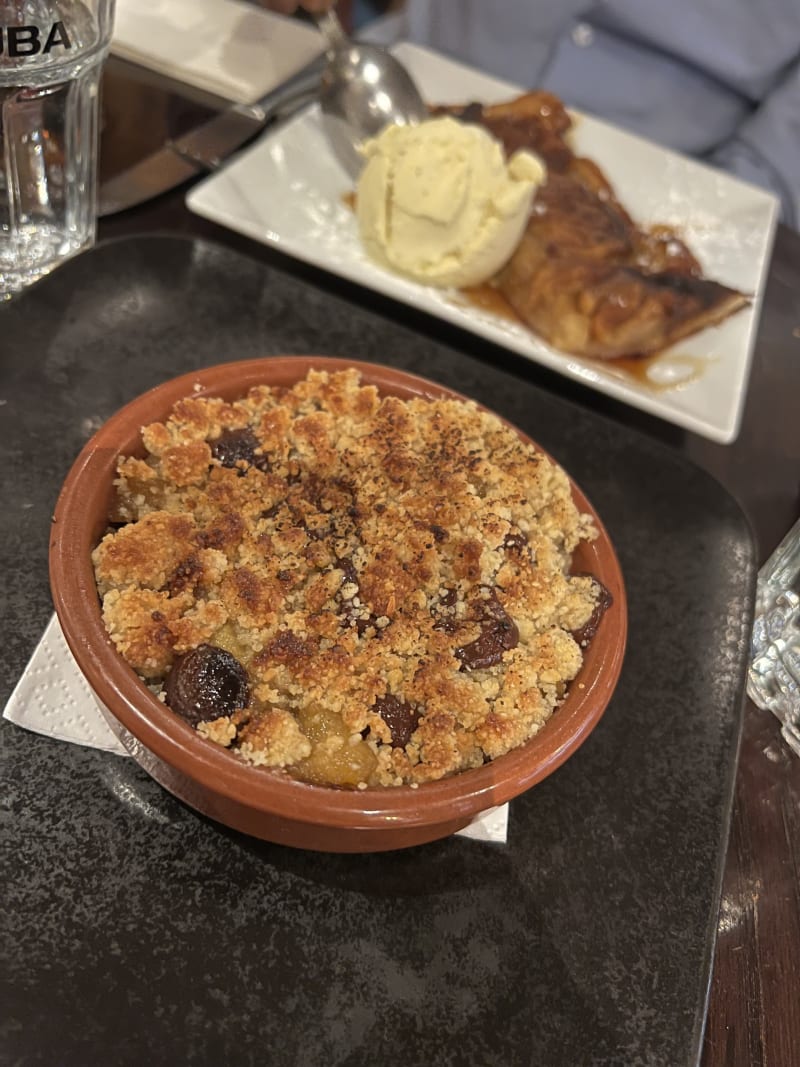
488 297
637 369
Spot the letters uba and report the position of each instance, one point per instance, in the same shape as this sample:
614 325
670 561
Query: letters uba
20 41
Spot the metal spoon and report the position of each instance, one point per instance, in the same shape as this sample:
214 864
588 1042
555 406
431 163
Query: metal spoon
363 88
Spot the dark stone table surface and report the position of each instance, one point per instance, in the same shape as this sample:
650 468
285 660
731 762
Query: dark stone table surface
587 938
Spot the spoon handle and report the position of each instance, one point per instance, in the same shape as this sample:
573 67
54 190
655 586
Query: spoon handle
331 29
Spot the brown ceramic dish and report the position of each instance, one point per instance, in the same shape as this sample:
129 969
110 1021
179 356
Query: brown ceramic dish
251 799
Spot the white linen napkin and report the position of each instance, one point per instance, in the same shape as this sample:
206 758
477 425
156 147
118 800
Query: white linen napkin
226 47
53 698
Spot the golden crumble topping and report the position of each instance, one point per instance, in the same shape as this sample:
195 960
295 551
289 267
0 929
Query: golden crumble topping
360 590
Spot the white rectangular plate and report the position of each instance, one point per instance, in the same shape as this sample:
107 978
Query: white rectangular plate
288 191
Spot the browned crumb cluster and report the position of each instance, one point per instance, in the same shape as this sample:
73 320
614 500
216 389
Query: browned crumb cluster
392 576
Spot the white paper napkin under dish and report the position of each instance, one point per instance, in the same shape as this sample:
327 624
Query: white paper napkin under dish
226 47
53 698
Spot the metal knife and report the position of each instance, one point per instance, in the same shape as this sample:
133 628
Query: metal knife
203 149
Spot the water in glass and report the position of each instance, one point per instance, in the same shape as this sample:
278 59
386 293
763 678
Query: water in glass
51 53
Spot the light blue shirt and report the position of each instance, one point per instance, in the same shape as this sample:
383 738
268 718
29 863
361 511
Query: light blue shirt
716 79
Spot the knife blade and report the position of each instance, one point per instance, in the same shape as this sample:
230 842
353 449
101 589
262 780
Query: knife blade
205 148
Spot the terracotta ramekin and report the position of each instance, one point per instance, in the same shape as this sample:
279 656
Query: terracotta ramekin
258 801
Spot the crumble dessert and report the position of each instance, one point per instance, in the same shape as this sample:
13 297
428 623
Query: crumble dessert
362 590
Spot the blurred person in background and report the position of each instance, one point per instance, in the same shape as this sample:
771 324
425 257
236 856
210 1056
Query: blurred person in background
716 79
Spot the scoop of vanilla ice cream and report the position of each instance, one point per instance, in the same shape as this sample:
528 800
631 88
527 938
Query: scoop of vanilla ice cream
438 201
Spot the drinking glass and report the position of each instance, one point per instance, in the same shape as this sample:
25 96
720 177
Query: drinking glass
774 674
51 55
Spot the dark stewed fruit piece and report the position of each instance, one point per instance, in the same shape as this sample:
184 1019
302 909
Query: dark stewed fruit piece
205 683
515 542
499 634
401 718
604 601
233 447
